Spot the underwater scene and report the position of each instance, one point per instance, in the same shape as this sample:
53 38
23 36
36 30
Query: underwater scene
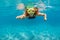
37 28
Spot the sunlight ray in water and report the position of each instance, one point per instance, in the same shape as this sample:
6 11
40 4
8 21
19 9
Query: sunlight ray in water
41 36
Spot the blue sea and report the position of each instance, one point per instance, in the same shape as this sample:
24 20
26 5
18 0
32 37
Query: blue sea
29 29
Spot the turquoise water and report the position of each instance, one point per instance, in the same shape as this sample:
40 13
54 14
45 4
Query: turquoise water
29 29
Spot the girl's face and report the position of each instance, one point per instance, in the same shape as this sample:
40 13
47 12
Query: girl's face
31 11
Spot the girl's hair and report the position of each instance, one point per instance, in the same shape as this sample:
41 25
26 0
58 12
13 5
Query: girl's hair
36 11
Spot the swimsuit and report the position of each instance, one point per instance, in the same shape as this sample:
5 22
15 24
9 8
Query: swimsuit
31 17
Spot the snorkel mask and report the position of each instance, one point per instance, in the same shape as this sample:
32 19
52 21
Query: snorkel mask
30 10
